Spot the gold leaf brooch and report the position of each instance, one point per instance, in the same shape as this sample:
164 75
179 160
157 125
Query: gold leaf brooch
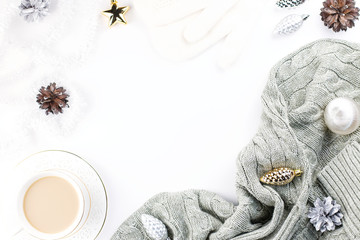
280 176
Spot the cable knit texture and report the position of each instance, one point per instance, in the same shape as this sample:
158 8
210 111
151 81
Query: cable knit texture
292 134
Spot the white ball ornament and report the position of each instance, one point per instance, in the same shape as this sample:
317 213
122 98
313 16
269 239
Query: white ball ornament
342 115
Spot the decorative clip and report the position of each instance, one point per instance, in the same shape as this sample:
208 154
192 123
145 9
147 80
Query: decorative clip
280 176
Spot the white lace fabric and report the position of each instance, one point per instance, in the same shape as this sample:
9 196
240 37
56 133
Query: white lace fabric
35 54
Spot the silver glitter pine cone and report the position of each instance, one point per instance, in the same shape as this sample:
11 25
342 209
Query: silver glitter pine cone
289 3
325 215
155 228
290 24
34 10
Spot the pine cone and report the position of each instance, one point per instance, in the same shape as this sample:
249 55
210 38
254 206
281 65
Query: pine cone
33 10
154 227
290 24
339 14
52 99
289 3
325 215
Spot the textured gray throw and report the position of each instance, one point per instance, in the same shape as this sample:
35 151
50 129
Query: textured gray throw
292 134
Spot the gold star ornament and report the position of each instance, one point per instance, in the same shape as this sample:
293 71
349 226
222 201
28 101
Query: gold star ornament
116 14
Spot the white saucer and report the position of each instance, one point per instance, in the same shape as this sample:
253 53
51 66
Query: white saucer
66 161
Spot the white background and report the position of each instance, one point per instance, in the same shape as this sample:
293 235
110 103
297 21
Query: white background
152 125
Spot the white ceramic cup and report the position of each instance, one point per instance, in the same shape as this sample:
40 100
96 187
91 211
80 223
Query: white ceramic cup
82 214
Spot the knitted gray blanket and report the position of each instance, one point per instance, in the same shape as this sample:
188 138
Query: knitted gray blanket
292 134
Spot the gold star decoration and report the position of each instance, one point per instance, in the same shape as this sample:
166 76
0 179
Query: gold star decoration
116 14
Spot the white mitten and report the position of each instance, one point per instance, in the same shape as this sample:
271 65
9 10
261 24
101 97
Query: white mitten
161 12
236 25
182 29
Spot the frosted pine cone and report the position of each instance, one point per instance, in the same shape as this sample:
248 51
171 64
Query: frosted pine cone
154 227
290 24
326 215
33 10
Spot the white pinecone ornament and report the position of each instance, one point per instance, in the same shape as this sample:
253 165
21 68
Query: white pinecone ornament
289 3
325 215
290 24
33 10
154 228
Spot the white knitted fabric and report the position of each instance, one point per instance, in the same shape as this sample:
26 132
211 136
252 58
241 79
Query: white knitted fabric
183 29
